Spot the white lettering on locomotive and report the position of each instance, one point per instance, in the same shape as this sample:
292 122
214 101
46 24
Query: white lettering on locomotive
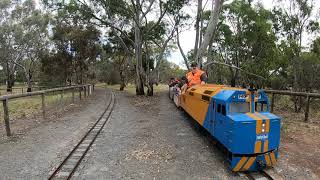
262 136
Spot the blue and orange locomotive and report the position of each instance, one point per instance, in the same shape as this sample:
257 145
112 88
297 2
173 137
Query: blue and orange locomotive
239 119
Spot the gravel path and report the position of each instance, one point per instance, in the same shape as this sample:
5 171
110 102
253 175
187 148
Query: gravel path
149 138
34 154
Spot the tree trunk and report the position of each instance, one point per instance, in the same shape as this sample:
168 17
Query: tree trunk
10 83
212 25
10 78
138 51
234 76
197 27
150 89
29 86
122 81
181 50
29 81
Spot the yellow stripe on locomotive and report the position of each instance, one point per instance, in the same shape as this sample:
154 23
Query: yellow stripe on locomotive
239 119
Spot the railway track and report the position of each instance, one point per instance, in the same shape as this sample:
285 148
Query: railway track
69 165
260 175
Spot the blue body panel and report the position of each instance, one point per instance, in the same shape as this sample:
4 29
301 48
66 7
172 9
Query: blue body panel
237 132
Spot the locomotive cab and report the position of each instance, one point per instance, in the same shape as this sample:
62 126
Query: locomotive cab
251 133
247 129
240 120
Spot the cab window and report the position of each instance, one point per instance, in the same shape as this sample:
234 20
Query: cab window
239 107
261 106
222 109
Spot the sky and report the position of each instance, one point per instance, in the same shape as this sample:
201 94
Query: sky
187 38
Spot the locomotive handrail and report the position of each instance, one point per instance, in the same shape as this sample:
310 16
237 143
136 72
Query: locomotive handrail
88 88
292 93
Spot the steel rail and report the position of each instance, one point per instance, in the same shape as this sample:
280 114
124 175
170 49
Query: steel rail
110 107
259 173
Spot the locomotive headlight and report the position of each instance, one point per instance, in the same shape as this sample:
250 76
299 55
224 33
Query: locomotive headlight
263 127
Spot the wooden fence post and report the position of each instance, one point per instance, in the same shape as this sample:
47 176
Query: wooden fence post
306 113
80 88
272 102
6 116
72 95
61 100
85 91
43 106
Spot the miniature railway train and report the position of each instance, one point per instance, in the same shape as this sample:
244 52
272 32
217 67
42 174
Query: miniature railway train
239 119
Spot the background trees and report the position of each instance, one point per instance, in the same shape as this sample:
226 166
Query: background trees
237 42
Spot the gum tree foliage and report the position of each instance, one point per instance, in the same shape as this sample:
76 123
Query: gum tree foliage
119 59
126 16
23 38
292 23
245 39
76 48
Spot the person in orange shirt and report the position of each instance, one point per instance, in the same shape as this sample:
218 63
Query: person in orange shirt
194 77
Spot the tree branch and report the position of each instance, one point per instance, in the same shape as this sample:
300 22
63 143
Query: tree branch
181 50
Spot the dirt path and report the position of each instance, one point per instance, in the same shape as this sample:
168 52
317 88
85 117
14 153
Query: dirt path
148 138
33 154
299 151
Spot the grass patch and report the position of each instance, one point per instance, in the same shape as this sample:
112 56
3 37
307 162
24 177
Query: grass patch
24 107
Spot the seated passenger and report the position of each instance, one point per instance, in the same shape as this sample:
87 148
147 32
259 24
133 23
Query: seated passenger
171 82
183 81
194 77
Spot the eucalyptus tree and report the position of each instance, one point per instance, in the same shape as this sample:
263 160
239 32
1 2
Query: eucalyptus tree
23 38
245 39
33 26
123 16
10 53
119 57
210 30
293 20
76 46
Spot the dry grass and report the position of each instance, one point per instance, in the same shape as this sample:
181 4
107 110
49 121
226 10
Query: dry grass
24 107
285 106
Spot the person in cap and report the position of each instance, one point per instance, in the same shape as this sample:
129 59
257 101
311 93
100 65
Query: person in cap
194 77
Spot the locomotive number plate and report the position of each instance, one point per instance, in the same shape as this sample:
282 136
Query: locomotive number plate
242 96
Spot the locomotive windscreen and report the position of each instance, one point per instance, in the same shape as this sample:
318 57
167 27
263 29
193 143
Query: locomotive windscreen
239 107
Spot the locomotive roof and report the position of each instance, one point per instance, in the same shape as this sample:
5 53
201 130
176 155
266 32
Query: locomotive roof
221 92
